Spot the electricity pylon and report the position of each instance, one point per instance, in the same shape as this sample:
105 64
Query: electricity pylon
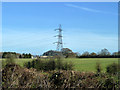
59 42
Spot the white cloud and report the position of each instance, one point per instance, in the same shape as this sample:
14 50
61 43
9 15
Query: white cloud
89 9
83 8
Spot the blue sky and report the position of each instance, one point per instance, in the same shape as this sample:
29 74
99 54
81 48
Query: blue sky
29 27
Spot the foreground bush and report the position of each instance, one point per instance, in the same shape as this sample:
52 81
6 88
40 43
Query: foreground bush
15 76
74 79
112 69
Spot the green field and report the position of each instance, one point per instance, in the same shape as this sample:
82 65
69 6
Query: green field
82 64
89 64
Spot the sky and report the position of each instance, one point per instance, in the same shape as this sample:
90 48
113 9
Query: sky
29 27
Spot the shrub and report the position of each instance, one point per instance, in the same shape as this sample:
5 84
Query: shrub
10 58
112 69
37 64
67 66
49 65
109 83
59 63
27 65
41 65
98 68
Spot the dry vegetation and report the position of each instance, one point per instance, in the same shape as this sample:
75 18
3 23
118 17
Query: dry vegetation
15 76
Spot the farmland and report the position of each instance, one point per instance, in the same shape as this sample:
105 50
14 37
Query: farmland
81 64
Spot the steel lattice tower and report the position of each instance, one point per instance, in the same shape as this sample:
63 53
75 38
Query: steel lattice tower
59 42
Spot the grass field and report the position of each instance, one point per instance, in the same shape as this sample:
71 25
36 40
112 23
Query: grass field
89 64
82 64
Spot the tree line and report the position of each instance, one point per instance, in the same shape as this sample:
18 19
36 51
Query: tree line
16 55
67 53
104 53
